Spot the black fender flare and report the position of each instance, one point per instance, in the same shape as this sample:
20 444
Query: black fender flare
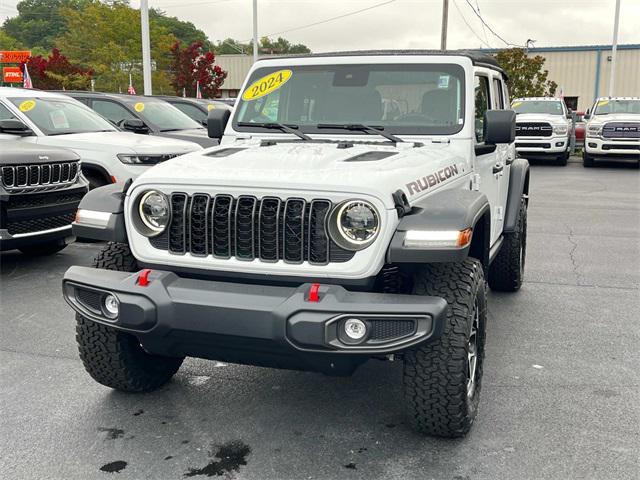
452 209
518 188
106 199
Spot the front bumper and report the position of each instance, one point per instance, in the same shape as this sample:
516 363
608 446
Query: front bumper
255 324
613 148
541 146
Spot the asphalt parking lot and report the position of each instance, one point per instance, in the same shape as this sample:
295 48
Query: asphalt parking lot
560 399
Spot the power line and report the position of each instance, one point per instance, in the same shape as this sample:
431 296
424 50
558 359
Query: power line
484 31
508 44
355 12
455 4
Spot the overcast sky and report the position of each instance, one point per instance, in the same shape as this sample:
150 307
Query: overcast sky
406 23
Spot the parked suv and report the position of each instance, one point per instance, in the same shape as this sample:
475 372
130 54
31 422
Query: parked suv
40 189
145 115
543 128
613 130
196 108
329 232
108 154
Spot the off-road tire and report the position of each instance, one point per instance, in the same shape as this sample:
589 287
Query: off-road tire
587 161
43 249
115 358
507 270
436 374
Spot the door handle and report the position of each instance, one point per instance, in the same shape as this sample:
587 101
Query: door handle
498 168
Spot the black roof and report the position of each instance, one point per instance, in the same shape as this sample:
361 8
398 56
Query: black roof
477 58
122 96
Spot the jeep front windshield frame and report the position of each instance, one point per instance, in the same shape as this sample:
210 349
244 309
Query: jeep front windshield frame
402 99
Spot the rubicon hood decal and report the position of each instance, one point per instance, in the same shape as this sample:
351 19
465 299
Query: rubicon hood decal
431 180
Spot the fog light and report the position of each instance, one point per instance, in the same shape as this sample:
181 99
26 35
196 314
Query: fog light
355 329
559 144
111 306
592 145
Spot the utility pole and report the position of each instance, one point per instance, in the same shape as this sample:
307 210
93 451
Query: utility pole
255 30
612 76
445 20
146 47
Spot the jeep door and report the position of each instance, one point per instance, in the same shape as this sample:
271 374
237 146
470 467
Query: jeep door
489 164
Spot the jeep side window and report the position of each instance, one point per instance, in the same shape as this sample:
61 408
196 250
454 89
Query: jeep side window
112 111
498 101
483 104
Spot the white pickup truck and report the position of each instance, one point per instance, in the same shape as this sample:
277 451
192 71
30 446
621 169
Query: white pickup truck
613 130
543 128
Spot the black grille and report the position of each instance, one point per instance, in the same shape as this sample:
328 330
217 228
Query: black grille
40 200
621 130
248 228
43 175
533 129
384 330
532 145
39 224
613 146
90 299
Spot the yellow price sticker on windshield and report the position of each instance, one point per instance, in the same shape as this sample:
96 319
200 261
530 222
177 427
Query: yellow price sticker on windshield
265 85
602 103
138 107
210 107
27 105
516 104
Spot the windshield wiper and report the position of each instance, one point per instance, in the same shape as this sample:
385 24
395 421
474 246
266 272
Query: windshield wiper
362 128
287 128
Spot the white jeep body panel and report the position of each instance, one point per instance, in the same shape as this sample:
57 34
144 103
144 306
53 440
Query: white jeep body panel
316 170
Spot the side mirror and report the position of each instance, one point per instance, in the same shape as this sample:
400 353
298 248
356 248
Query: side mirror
586 116
135 125
15 127
217 122
499 126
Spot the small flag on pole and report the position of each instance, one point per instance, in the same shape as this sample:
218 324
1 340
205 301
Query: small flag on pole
131 90
26 82
198 92
184 92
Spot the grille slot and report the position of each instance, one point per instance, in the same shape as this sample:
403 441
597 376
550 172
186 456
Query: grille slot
532 129
384 330
247 228
39 224
43 176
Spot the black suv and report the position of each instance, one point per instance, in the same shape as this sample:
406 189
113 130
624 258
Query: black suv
196 108
145 115
40 189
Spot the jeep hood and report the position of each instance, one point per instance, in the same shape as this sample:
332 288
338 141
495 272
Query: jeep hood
119 142
367 169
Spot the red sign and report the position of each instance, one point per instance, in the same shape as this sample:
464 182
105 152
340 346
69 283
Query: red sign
14 56
12 75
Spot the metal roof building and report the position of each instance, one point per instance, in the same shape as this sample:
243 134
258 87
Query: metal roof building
582 72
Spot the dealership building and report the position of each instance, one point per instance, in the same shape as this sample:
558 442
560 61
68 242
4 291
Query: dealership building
581 72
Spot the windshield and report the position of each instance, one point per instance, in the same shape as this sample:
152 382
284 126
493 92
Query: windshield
61 116
409 99
605 106
164 116
538 106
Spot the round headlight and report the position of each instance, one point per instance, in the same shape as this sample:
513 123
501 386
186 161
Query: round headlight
354 224
155 212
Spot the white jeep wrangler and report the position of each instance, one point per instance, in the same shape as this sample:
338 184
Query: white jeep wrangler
355 210
612 130
543 128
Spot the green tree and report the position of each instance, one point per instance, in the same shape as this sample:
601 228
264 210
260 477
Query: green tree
280 46
7 42
106 38
527 77
229 46
39 22
185 32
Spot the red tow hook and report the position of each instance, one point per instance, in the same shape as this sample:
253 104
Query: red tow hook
314 293
143 277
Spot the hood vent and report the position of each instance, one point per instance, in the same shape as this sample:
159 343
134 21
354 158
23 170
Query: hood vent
371 156
225 152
